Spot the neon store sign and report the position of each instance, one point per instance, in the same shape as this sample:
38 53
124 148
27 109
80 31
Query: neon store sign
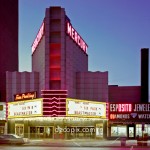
38 38
120 107
76 37
23 96
129 111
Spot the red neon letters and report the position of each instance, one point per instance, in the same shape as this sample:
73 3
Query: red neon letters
38 38
76 37
120 107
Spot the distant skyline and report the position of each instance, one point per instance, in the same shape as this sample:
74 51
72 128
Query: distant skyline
115 32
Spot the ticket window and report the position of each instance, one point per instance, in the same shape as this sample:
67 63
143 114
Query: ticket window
19 130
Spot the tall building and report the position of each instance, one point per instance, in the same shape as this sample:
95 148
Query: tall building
65 88
60 60
8 41
59 54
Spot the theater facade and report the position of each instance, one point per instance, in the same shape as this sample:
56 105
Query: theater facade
83 119
61 98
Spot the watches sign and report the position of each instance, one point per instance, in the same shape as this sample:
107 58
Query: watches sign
129 111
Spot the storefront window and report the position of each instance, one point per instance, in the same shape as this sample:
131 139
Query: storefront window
118 131
41 132
131 132
148 129
138 129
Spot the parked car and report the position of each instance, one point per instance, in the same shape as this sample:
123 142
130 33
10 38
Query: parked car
11 139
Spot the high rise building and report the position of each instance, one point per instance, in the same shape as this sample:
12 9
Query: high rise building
8 41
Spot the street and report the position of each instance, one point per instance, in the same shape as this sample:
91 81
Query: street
77 144
66 148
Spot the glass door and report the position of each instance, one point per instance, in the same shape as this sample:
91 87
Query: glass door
19 130
131 131
48 132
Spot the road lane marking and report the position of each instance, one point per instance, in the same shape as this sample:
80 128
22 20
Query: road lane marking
77 144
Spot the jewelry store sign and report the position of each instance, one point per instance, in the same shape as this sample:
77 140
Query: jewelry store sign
133 111
25 108
85 108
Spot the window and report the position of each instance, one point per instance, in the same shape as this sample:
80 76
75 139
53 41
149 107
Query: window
1 107
120 130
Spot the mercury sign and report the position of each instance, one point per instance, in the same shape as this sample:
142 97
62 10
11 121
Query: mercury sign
38 38
129 111
85 108
25 108
76 37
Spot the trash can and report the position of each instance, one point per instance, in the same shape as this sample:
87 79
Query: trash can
123 141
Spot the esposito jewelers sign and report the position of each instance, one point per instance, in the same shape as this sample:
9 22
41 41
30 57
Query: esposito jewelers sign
25 108
133 111
84 108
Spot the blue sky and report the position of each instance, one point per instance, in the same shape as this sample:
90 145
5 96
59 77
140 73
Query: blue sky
115 31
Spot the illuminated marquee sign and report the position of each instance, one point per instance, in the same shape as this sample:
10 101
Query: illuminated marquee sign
25 108
38 38
85 108
2 111
76 37
24 96
129 111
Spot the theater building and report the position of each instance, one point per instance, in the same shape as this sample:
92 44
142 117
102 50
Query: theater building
59 62
59 71
68 95
84 119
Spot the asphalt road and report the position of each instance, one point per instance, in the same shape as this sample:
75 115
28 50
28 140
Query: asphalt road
65 148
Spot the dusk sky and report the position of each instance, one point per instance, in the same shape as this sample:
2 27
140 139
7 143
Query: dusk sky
115 31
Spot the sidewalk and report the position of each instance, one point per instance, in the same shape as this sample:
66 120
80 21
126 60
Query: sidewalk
82 143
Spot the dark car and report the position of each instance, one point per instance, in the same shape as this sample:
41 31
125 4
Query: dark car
11 139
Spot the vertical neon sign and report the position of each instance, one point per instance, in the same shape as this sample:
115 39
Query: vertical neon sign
76 37
38 38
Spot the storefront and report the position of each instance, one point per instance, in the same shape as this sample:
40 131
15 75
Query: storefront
3 122
84 119
129 120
